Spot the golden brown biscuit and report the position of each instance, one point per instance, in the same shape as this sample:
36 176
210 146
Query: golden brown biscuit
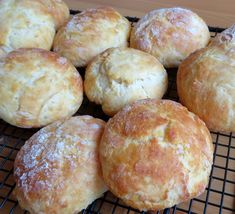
119 76
91 32
26 24
206 82
38 87
155 154
57 170
170 34
59 11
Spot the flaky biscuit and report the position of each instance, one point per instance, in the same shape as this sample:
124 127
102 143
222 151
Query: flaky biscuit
170 34
26 24
59 10
155 154
119 76
38 87
91 32
57 170
206 82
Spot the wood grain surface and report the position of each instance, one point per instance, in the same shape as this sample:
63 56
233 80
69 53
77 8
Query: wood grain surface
214 12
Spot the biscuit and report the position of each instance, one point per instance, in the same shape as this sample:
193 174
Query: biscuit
155 154
57 170
120 76
170 34
59 10
91 32
26 24
38 87
205 82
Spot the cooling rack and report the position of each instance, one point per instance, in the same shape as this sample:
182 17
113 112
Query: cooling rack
219 196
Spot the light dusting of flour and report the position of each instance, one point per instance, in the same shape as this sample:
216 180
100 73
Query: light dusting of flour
41 160
78 23
62 60
177 17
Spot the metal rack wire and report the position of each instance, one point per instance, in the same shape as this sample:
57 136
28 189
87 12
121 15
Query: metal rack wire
219 196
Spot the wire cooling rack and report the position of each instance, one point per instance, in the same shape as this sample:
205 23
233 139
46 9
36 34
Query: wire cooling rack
219 196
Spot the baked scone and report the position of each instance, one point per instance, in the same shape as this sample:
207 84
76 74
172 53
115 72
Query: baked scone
155 154
170 34
91 32
57 170
206 82
26 24
38 87
59 10
120 76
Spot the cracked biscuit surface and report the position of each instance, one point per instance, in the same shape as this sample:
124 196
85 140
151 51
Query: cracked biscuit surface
26 24
38 87
59 11
90 33
206 82
120 76
57 170
170 34
155 154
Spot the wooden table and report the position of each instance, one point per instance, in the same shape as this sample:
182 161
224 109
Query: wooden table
214 12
